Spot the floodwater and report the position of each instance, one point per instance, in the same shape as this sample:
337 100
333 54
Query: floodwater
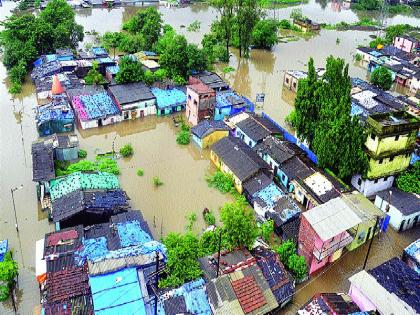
181 168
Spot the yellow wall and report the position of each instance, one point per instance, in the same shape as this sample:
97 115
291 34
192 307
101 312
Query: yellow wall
223 167
360 237
386 168
336 255
213 138
389 144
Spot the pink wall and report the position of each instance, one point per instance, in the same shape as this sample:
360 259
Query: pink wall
192 109
404 44
360 299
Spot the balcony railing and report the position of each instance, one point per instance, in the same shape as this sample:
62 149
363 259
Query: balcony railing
329 248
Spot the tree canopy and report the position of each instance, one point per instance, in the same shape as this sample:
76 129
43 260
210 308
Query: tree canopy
25 37
408 180
130 71
323 107
382 78
8 273
264 34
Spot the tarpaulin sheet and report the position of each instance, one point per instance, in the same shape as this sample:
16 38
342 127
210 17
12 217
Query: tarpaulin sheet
3 249
195 297
131 234
94 106
94 248
169 98
117 293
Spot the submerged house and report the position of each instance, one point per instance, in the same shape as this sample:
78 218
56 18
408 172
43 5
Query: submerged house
390 288
207 132
229 103
389 147
411 256
43 162
251 131
94 107
241 287
291 79
169 101
368 214
403 208
329 303
54 117
88 207
324 232
406 43
314 190
136 100
306 25
234 157
200 103
211 79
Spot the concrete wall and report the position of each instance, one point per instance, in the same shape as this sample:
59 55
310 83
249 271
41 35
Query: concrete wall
299 194
213 138
389 144
404 44
193 101
398 221
388 166
360 299
370 187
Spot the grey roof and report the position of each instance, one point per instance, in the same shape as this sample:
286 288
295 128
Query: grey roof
295 168
175 305
207 127
212 80
131 92
256 183
268 124
406 203
253 129
42 162
241 159
276 149
65 141
332 218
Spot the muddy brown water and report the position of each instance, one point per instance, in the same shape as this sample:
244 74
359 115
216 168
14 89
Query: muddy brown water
181 168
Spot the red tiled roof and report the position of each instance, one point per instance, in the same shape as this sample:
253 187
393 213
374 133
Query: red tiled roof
200 88
248 293
55 238
62 285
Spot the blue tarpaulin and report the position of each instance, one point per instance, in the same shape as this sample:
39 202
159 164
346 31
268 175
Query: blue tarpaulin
117 293
3 249
93 249
144 249
169 98
131 234
269 194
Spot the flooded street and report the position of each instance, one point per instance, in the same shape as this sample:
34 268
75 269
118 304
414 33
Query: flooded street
181 168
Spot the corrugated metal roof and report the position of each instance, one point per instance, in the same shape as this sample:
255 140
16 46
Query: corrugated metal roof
331 218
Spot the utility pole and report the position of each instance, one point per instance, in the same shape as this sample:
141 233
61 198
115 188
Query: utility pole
12 190
156 281
218 254
371 241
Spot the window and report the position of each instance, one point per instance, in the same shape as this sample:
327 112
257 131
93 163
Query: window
287 80
381 161
294 84
386 178
372 136
359 181
375 181
195 102
397 137
391 159
282 177
189 96
250 144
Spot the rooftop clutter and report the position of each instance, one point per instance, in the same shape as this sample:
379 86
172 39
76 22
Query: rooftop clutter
94 106
85 181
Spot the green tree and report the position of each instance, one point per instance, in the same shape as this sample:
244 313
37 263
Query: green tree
197 59
130 71
396 30
131 43
148 23
111 40
160 75
94 77
183 137
297 266
382 78
240 227
248 13
174 58
409 180
264 34
8 273
182 254
307 105
223 27
297 15
267 230
149 77
221 181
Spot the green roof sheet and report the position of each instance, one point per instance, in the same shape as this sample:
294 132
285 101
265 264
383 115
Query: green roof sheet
96 180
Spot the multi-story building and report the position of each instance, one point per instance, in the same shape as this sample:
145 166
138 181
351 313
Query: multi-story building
389 146
324 232
200 102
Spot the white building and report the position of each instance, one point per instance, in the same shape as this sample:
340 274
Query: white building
404 208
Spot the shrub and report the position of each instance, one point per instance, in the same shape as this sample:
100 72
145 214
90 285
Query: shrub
149 77
184 126
127 150
382 78
221 181
290 119
140 172
297 266
183 137
157 182
8 273
179 80
267 230
16 88
209 218
358 57
191 218
82 154
285 250
408 180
